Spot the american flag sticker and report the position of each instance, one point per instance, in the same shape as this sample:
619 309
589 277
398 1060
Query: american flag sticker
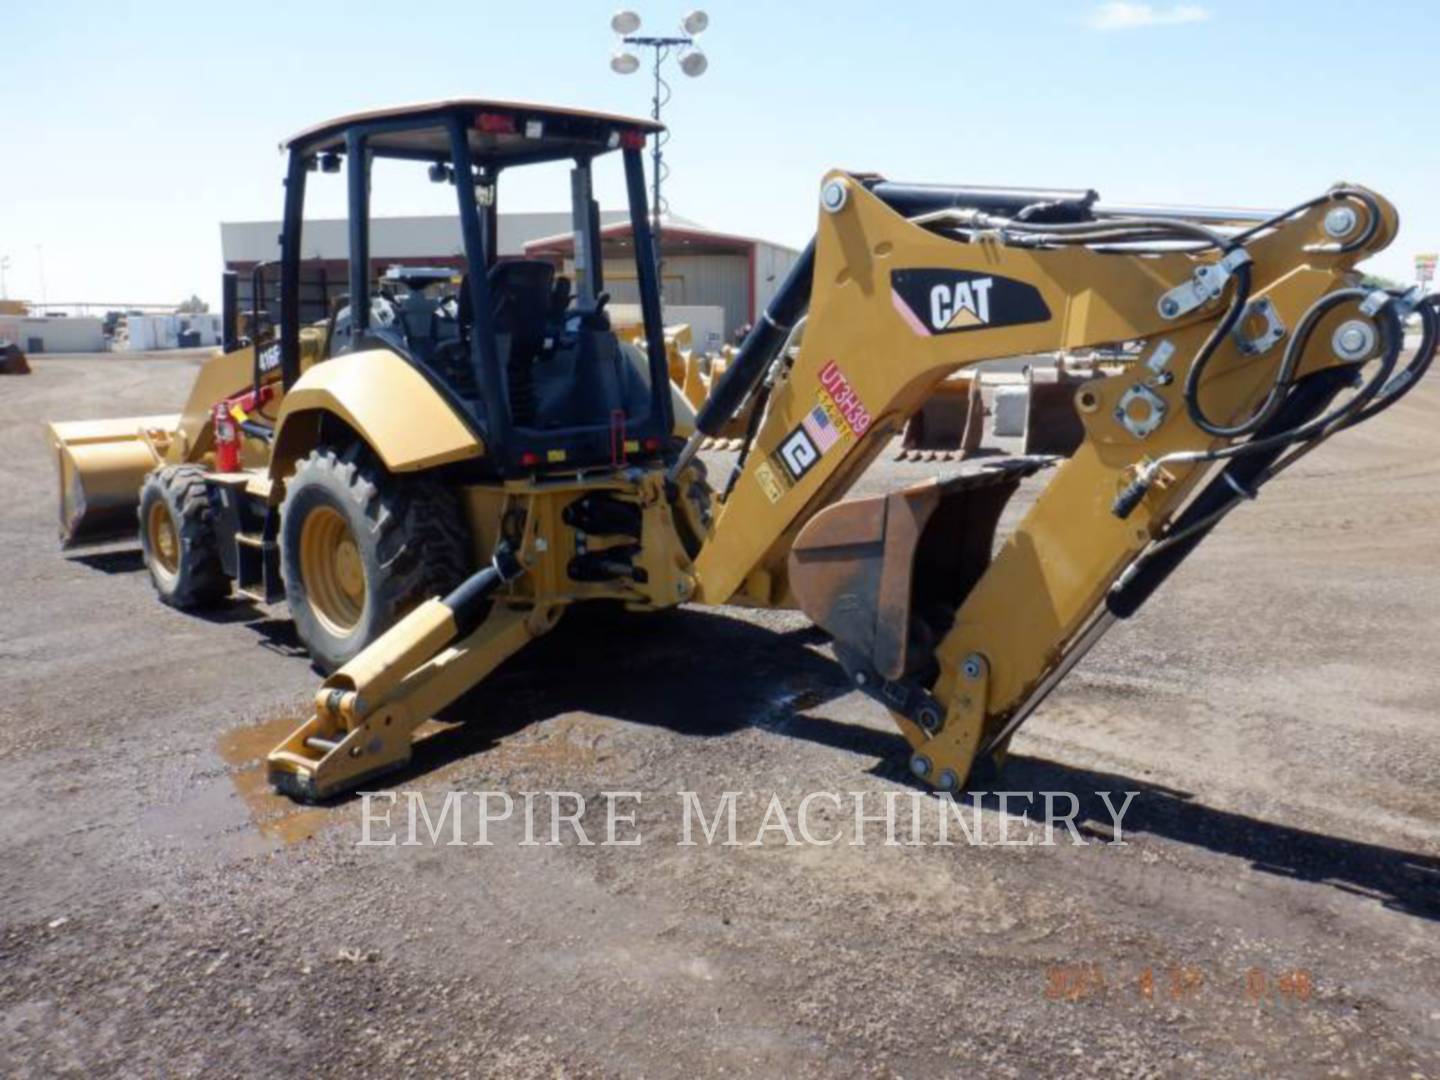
823 433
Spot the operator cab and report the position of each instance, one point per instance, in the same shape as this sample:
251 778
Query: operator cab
523 353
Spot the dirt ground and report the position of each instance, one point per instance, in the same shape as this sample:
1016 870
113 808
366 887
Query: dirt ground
1275 909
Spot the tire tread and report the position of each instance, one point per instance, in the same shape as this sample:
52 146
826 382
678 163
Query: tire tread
201 582
415 525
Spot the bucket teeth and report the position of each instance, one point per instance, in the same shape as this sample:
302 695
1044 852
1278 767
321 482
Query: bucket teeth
930 455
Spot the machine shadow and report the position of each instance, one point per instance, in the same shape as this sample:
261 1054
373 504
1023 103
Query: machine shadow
125 561
687 670
1402 881
276 635
706 675
692 671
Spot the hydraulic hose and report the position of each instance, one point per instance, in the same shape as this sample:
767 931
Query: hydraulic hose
752 428
1272 438
1226 325
1081 233
469 601
1308 398
1364 198
759 349
1404 381
1395 339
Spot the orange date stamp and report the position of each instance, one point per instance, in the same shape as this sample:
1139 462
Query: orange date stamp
1177 983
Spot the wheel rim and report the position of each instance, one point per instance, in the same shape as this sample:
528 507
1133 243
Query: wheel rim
164 541
332 571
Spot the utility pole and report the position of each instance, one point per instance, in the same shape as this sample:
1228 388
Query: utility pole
692 62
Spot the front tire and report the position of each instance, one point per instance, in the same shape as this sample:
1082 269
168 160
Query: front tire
177 538
359 548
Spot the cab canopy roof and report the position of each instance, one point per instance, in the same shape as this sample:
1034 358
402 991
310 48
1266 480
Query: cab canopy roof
500 132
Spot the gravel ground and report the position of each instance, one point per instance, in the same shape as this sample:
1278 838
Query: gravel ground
1273 910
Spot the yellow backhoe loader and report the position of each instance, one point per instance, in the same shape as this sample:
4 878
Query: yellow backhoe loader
430 478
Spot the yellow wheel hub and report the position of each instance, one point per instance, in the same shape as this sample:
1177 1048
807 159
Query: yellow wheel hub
332 571
163 540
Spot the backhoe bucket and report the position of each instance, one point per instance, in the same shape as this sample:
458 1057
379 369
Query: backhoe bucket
102 464
884 576
1052 423
953 418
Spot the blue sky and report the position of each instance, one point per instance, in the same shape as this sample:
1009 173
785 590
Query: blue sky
133 129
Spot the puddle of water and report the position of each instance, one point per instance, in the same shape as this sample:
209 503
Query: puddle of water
273 815
249 745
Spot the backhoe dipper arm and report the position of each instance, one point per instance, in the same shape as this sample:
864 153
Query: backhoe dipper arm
903 286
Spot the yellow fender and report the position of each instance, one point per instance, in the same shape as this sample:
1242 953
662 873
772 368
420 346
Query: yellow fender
385 401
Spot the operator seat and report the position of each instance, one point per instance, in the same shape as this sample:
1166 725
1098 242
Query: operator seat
520 296
561 368
520 300
417 313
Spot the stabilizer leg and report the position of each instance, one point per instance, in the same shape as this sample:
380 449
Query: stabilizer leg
366 713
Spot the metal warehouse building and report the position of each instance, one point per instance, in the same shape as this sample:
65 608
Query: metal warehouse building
409 241
702 269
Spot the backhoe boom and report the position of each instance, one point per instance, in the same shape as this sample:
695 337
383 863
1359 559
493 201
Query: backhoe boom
908 285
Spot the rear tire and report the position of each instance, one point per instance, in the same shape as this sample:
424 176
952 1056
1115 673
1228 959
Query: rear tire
360 548
177 537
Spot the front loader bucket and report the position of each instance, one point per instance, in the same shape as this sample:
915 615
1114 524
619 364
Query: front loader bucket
102 464
884 576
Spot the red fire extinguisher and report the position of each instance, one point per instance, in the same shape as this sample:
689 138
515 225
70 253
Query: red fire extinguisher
227 439
228 416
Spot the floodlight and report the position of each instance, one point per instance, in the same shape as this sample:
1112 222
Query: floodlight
625 22
624 63
693 63
695 22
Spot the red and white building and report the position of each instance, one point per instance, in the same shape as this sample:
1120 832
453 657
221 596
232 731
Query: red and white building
717 282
